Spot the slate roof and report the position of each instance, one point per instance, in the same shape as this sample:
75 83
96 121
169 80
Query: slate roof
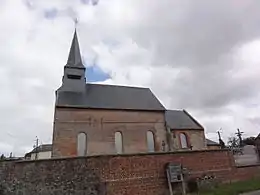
110 97
181 119
74 59
43 148
211 143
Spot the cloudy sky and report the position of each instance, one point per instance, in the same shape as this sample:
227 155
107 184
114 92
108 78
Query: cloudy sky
202 56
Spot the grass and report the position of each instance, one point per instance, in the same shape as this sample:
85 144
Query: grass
235 188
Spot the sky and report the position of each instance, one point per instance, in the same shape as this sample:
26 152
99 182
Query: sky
202 56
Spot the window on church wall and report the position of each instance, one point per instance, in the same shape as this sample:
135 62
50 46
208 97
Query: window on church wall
150 141
183 140
82 144
119 142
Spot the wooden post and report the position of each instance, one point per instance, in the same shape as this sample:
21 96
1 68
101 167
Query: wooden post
169 182
183 185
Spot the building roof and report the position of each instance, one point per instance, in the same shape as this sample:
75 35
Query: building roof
13 158
110 97
74 59
43 148
75 93
211 143
181 119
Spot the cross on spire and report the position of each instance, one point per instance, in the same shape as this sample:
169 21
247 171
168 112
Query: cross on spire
76 21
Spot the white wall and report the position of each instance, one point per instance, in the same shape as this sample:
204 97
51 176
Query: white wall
41 155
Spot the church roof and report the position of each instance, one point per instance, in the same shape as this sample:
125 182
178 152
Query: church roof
74 59
181 119
75 92
110 97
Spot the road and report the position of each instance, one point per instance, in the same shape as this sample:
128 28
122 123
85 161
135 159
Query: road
252 193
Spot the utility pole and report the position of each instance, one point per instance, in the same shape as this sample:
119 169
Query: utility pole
36 148
222 144
239 135
219 136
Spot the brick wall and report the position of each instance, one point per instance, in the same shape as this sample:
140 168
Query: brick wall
100 127
246 172
114 175
213 147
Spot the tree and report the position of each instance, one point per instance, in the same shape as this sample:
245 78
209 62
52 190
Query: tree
234 145
222 144
2 157
233 142
249 141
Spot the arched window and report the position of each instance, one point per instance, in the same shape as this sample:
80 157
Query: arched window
119 142
184 140
82 144
150 141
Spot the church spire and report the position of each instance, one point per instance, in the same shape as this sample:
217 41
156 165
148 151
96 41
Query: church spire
74 59
74 79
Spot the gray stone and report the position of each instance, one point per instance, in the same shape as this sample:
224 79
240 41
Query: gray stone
50 177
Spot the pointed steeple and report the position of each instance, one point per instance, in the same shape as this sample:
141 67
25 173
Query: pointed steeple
74 79
74 59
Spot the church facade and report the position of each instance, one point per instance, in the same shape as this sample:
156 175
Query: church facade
96 119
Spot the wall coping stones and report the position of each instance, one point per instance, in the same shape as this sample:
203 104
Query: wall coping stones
122 155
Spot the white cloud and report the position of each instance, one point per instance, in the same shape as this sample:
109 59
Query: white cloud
199 56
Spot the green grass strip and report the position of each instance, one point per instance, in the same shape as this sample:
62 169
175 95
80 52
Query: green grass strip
235 188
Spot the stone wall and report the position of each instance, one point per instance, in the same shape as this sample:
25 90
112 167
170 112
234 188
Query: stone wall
246 172
114 175
100 127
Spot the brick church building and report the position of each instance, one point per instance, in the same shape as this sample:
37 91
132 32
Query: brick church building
97 119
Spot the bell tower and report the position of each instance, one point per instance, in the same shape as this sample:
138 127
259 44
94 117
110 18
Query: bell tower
74 71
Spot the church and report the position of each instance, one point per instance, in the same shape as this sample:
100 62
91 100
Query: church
97 119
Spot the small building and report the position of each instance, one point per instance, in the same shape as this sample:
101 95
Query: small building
41 152
211 145
186 132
